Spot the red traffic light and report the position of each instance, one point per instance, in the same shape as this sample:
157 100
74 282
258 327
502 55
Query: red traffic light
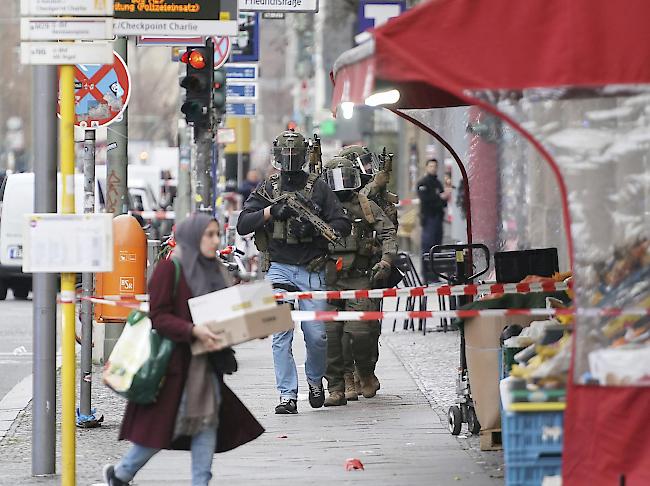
185 57
196 60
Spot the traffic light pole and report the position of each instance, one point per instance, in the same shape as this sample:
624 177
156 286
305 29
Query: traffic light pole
204 141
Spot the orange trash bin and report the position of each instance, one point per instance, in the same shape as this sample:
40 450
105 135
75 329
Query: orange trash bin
128 277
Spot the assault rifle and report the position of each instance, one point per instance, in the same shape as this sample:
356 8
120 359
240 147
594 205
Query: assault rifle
387 161
306 212
315 156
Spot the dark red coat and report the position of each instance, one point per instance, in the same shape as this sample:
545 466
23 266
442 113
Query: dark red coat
153 425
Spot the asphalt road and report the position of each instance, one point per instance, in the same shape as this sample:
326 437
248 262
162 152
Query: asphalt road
15 342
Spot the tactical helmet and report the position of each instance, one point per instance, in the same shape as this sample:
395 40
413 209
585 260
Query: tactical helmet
342 174
368 162
289 152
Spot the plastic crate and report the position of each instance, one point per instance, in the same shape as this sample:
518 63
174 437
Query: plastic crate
529 436
532 473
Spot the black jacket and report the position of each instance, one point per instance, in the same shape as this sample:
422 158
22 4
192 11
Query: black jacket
252 219
429 190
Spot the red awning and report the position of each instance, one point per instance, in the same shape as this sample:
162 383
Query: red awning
438 50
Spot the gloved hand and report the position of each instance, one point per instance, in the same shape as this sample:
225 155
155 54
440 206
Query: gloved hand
379 272
282 212
301 229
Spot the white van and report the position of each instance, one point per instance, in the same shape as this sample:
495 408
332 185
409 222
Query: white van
16 200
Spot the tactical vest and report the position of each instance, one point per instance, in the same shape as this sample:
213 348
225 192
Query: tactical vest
280 229
356 250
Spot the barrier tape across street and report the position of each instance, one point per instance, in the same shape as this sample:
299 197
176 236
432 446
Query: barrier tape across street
300 316
442 290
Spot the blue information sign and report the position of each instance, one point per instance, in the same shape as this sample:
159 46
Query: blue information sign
241 71
241 109
373 13
241 90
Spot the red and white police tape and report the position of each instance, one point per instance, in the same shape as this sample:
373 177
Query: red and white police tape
513 288
300 316
442 290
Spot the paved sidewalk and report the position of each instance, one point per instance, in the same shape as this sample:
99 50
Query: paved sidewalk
398 437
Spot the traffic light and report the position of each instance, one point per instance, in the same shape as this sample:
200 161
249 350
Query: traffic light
198 84
219 91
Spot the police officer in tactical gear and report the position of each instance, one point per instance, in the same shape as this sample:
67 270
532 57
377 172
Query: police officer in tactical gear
356 268
375 177
296 251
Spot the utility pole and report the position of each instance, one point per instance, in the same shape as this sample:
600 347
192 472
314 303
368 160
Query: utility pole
117 201
44 126
86 418
183 201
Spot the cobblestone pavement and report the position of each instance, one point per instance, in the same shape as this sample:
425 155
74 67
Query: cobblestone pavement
397 436
432 361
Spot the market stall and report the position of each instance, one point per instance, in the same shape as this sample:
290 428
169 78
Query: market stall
564 125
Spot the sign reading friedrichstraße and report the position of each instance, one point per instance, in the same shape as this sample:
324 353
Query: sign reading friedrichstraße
172 18
66 7
278 5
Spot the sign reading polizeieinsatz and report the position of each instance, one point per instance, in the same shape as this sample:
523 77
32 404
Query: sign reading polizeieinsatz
172 17
278 5
167 9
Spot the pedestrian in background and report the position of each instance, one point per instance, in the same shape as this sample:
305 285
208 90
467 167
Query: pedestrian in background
194 410
433 201
249 184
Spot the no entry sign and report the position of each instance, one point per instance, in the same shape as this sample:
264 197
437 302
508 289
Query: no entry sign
102 92
221 50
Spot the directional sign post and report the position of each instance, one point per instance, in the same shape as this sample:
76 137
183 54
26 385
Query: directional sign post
241 109
66 7
102 92
56 53
54 28
257 6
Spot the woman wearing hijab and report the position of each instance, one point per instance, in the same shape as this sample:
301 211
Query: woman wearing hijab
194 410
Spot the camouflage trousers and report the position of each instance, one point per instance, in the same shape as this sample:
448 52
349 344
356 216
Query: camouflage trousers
351 344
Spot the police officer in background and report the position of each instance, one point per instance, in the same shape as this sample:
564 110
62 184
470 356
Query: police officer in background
297 252
433 201
356 268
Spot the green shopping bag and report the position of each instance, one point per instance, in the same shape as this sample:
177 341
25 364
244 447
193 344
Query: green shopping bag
138 363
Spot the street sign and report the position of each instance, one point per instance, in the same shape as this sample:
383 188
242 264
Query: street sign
55 53
226 135
56 243
374 13
66 7
102 93
177 18
241 109
278 6
73 28
174 28
244 72
246 46
222 47
146 40
241 90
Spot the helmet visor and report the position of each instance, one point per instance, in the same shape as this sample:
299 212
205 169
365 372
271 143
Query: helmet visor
369 162
343 179
289 159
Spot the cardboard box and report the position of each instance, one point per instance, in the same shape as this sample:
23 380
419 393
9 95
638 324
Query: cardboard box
232 302
482 349
251 325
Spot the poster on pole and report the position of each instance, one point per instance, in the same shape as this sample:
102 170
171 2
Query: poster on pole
55 243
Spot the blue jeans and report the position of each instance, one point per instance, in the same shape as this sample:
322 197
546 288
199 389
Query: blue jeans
286 375
202 451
